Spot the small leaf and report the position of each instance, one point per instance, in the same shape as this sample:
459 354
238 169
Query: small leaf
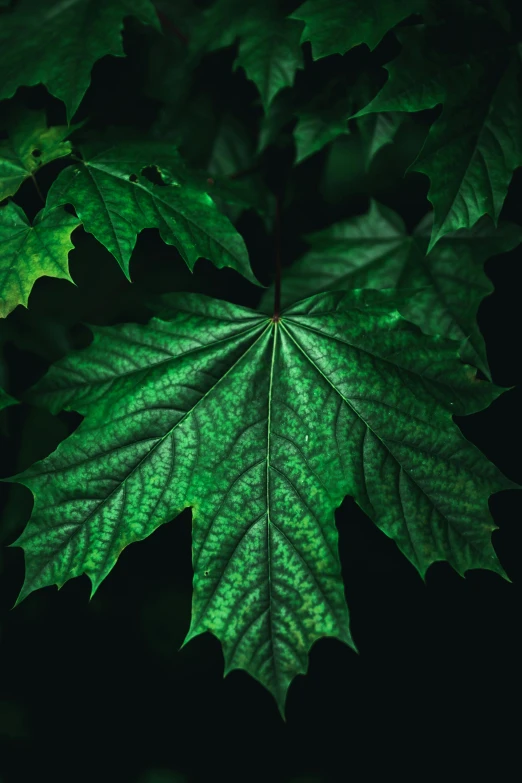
422 75
30 252
31 144
471 152
374 250
377 131
269 45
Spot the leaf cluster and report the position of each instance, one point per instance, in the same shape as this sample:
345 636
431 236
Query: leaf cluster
260 410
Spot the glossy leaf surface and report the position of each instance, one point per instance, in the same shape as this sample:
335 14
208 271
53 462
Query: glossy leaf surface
335 28
262 429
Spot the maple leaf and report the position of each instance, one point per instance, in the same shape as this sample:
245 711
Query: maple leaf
262 428
31 144
57 43
115 202
30 252
269 44
270 53
374 250
316 128
335 28
475 145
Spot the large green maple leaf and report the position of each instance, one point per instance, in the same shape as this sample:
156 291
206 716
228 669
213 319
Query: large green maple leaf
262 428
115 202
475 145
335 27
56 43
31 144
32 251
374 250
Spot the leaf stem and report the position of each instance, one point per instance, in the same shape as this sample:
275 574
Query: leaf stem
169 25
277 240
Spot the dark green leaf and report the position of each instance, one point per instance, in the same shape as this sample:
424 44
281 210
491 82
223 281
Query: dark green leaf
58 42
30 252
115 202
335 27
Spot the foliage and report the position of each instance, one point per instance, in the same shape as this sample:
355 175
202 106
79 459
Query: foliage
239 122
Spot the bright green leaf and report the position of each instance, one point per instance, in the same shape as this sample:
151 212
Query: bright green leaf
57 43
115 201
375 251
335 27
29 252
31 144
262 428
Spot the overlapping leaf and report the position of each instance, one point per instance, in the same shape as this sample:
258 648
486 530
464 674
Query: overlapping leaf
115 201
31 144
335 27
269 44
57 43
474 147
262 428
374 250
6 400
29 252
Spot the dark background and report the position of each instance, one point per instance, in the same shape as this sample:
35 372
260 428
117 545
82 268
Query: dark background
95 691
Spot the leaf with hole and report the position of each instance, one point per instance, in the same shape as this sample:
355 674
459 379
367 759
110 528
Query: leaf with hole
115 201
